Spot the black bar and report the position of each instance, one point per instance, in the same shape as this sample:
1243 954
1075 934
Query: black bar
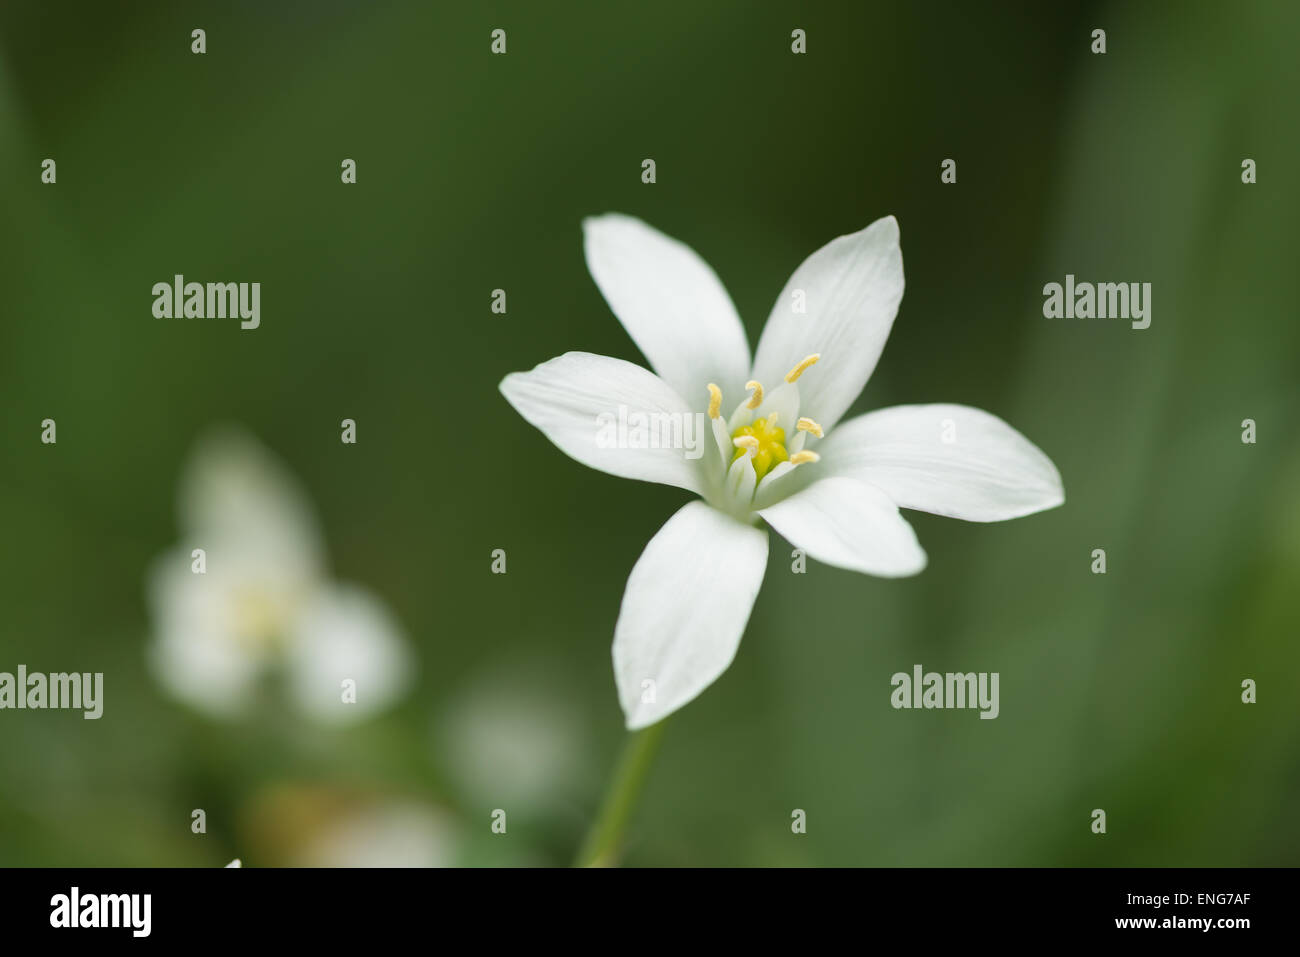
237 906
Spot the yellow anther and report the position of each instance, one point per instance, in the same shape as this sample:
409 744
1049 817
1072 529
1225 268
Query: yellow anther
756 399
715 401
748 442
806 424
802 367
799 458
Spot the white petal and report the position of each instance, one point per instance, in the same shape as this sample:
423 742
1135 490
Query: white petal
741 479
948 459
722 438
742 416
578 399
778 471
686 604
207 651
236 494
783 401
345 633
784 479
398 833
848 524
672 304
852 286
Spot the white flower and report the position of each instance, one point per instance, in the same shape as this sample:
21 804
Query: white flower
510 738
262 601
321 825
833 492
386 834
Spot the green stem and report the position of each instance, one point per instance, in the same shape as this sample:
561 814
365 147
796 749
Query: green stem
601 846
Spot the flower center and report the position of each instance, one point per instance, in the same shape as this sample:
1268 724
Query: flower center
763 439
259 616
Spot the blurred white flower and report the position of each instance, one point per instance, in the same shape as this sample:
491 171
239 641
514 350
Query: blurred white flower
386 834
235 863
263 601
511 739
321 825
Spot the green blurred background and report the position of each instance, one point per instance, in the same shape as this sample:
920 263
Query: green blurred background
1119 692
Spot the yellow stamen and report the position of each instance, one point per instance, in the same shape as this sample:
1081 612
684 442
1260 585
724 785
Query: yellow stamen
807 455
802 367
715 401
806 424
756 399
747 442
